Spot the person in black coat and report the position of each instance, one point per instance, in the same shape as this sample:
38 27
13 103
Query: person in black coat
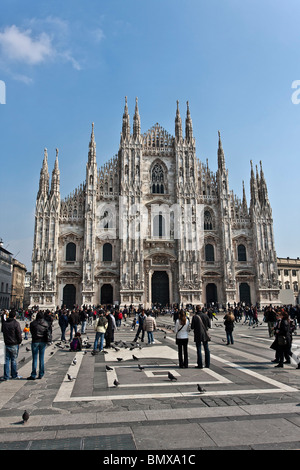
63 322
41 337
12 336
109 330
283 339
200 324
229 326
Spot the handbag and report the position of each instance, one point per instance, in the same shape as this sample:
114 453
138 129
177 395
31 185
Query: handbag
208 338
282 340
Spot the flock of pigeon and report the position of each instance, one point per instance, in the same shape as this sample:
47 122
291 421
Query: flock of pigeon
117 345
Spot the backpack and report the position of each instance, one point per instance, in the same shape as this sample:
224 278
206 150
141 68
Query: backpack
74 344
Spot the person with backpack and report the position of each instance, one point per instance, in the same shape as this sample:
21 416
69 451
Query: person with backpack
101 325
76 343
41 336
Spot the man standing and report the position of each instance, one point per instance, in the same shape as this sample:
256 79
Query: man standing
200 325
12 336
41 336
141 319
74 321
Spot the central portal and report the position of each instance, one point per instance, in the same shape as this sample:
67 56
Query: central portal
160 288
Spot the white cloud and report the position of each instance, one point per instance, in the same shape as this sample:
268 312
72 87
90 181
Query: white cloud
20 46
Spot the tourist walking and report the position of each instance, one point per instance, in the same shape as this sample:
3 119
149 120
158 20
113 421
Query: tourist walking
100 328
200 324
12 336
40 337
109 330
149 327
182 337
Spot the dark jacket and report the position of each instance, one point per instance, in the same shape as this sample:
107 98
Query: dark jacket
200 334
40 331
229 323
63 320
12 333
74 318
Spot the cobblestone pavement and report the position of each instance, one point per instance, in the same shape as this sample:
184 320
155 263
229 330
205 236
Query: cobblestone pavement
247 403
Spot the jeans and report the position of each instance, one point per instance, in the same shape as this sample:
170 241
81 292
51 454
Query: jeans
206 352
182 344
11 354
38 350
63 333
150 337
229 337
101 337
140 329
72 327
83 326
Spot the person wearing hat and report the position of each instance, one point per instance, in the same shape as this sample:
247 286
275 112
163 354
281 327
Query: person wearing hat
12 335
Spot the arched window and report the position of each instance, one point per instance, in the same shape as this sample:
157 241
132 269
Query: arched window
107 252
209 253
208 222
159 226
287 285
242 253
71 252
157 179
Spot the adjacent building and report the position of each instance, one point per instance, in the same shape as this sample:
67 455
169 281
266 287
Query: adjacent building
6 268
153 225
289 280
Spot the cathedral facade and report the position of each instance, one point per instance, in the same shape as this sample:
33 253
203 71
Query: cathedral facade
153 225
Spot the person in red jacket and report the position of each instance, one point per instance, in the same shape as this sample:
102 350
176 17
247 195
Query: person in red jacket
12 335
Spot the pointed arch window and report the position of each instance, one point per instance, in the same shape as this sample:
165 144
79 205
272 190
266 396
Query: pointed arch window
242 253
208 220
157 179
71 252
159 226
209 253
107 252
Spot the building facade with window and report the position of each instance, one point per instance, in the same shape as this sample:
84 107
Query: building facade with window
6 269
289 280
153 225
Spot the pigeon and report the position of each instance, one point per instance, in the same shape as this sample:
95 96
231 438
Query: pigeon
171 376
22 360
116 349
135 358
120 359
70 377
25 417
52 352
74 361
27 349
141 367
109 368
200 389
116 383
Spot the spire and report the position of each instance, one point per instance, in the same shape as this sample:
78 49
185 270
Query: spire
55 181
136 121
253 188
44 175
178 124
92 147
126 121
188 125
221 156
244 203
263 187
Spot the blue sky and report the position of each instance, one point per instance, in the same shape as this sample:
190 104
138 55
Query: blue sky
66 64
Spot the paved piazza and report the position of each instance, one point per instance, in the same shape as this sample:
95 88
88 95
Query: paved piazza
247 403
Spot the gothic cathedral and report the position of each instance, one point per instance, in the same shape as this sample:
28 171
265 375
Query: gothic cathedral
153 225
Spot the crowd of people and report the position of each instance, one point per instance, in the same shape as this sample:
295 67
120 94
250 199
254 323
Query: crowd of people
282 323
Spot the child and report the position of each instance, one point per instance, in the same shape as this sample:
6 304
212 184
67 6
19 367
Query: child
26 331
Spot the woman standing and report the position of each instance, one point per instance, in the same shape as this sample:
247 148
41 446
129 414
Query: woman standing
182 337
283 338
229 326
101 325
